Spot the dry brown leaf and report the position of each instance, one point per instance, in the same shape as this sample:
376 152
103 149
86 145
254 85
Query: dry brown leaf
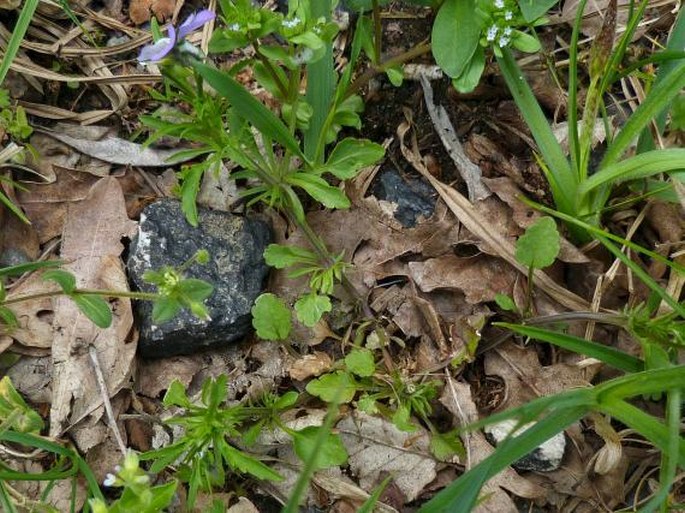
34 316
140 11
310 365
46 205
377 448
481 278
154 376
91 243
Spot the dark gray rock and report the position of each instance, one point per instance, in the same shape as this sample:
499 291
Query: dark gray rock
414 197
544 458
236 269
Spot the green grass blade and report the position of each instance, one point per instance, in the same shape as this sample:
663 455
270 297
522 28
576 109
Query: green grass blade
657 100
462 495
563 181
647 425
648 382
249 108
18 33
608 355
320 88
573 142
676 42
639 166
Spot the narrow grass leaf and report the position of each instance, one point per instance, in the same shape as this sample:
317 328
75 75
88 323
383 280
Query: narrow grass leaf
657 100
562 180
249 108
608 355
20 28
639 166
462 495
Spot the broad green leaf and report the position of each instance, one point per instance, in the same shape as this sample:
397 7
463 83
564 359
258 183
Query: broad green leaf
194 290
367 404
95 308
320 190
311 307
271 318
402 419
470 77
360 362
8 318
192 176
281 256
539 246
533 9
14 409
337 386
455 35
350 155
329 454
64 279
249 108
176 395
164 309
446 445
525 42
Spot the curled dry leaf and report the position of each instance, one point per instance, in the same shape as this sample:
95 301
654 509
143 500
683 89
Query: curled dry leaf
91 243
310 365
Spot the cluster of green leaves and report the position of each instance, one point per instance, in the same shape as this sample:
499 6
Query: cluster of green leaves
578 190
463 29
394 395
205 451
13 120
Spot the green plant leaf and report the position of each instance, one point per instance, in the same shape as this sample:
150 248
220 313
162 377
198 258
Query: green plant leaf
470 77
533 9
395 75
17 36
271 318
281 256
330 453
194 290
311 307
241 461
607 354
446 445
640 166
13 409
19 269
337 386
539 246
64 279
350 155
164 309
95 308
402 419
455 35
320 190
360 362
176 395
525 42
505 302
249 108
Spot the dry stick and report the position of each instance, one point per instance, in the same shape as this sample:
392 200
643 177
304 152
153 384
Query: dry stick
105 399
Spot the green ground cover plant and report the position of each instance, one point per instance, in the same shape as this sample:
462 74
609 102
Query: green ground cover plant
293 156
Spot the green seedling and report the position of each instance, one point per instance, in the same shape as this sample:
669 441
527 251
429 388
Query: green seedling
137 493
174 292
578 190
537 248
463 29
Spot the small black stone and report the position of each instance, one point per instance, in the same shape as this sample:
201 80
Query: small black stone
236 270
414 197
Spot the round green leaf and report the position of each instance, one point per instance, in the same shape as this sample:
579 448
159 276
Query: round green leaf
271 318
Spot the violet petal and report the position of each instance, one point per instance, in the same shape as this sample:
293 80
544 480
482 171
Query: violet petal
159 49
194 22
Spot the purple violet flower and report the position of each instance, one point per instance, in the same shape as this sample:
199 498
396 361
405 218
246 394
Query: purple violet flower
164 46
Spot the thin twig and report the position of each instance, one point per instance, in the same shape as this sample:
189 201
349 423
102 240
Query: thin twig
105 399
